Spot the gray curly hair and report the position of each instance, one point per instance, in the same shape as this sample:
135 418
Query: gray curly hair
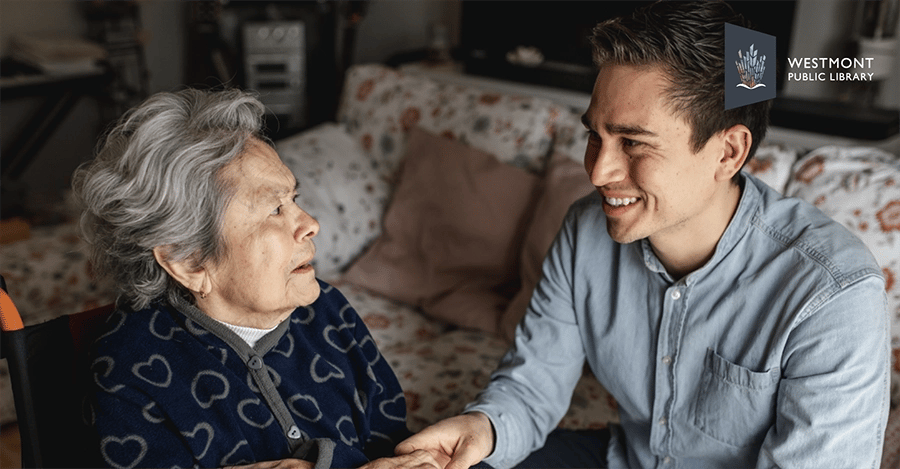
157 180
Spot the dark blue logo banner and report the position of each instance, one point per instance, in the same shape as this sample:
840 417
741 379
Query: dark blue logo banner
749 66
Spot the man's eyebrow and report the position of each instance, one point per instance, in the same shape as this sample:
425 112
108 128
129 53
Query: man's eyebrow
585 121
620 129
631 130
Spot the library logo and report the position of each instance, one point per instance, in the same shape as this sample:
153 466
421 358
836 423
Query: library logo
752 77
751 68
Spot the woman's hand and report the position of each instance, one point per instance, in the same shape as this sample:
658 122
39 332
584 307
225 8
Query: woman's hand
280 464
418 459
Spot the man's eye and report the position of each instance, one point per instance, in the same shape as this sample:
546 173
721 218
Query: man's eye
627 142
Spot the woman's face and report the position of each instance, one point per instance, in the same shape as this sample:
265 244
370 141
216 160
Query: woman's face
265 272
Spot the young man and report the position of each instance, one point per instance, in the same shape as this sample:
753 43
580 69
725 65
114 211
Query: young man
735 328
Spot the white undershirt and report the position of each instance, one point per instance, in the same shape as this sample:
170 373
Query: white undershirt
250 334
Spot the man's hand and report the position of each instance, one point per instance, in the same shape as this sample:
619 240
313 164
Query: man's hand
460 441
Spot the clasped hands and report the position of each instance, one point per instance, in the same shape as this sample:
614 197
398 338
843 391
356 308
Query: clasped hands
455 443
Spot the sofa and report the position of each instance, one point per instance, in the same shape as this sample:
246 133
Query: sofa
437 202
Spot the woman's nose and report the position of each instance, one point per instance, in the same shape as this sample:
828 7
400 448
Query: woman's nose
307 226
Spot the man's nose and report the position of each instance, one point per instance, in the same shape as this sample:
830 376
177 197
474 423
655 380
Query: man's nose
604 164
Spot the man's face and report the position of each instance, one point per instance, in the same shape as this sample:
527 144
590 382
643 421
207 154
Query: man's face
640 160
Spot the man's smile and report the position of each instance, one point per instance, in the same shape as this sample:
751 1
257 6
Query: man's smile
620 202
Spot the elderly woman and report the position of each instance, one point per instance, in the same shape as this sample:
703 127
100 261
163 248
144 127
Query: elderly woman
225 348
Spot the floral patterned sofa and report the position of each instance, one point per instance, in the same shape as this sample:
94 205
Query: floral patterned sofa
444 343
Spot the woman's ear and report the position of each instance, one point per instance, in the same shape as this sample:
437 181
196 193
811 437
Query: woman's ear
736 145
195 279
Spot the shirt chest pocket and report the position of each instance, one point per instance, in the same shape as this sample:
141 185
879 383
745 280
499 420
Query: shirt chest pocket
735 405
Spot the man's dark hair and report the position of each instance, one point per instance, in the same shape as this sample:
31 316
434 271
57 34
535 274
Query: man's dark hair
687 40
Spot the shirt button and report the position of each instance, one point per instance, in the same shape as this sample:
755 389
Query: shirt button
255 362
294 433
676 294
663 421
667 460
667 360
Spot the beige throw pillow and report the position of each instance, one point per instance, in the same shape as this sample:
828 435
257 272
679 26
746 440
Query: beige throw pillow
452 233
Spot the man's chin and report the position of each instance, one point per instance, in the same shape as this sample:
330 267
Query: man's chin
621 234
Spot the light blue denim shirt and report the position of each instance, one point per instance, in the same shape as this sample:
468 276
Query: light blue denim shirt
775 353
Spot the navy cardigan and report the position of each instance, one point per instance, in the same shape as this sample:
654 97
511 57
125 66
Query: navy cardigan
174 388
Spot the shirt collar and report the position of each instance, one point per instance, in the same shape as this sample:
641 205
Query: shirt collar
737 227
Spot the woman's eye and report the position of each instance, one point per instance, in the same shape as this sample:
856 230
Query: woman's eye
277 211
297 199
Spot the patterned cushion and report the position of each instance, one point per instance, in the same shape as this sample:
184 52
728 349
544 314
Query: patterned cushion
772 165
339 188
49 275
859 187
380 105
570 136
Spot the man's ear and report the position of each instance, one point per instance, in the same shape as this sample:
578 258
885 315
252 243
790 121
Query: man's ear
736 147
184 272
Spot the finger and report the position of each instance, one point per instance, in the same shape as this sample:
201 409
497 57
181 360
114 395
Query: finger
426 465
422 460
415 442
404 447
406 461
440 458
464 458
